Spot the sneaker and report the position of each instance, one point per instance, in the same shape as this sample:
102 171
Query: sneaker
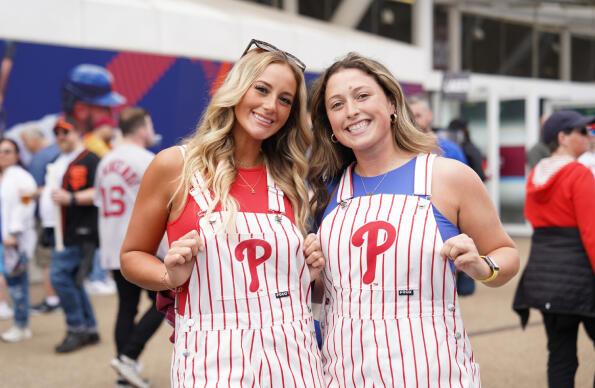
16 334
122 383
73 341
100 287
43 308
5 311
127 368
92 338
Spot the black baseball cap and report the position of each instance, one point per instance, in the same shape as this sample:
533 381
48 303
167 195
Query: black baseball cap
564 121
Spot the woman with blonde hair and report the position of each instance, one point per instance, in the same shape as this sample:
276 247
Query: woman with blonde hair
394 223
233 203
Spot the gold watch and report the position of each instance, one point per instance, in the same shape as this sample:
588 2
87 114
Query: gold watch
493 266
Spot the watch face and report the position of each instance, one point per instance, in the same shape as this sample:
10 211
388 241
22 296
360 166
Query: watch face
491 263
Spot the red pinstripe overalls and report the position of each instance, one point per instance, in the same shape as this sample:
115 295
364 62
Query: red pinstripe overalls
244 318
391 317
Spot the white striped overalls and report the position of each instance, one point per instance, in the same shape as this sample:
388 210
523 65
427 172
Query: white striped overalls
247 320
391 315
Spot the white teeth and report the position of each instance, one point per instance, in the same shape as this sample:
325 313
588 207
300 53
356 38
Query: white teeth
263 119
359 125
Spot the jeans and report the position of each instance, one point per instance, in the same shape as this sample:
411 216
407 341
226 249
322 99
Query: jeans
73 298
18 288
97 271
131 336
465 284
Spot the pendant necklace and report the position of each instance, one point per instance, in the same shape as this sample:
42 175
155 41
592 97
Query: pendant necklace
251 187
377 185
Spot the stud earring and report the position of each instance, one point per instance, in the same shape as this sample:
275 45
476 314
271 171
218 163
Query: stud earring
393 118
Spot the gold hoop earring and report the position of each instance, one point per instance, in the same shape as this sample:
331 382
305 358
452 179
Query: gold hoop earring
334 138
393 118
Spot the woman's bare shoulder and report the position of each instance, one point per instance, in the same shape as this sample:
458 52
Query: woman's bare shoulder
453 173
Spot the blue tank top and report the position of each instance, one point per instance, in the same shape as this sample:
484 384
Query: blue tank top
399 181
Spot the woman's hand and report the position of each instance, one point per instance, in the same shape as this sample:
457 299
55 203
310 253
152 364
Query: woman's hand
462 251
180 258
314 257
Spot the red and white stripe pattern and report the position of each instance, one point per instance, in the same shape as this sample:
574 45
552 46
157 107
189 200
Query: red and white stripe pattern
246 320
391 315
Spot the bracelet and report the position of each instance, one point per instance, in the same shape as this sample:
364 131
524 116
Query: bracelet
164 281
72 199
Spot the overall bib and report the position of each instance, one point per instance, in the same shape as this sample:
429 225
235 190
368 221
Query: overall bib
244 317
391 314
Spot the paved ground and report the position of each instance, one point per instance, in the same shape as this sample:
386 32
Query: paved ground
508 356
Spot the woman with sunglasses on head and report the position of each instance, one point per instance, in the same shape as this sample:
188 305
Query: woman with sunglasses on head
233 203
17 212
395 221
559 279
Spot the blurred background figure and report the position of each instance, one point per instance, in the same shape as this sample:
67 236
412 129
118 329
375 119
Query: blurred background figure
539 150
559 277
17 208
47 153
458 131
70 188
424 118
99 139
88 98
33 138
116 185
588 158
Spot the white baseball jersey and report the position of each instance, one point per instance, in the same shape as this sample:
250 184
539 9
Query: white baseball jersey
244 317
116 185
391 317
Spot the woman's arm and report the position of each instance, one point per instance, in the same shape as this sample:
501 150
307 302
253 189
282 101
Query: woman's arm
148 224
463 199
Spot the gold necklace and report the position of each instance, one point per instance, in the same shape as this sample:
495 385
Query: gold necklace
251 187
375 188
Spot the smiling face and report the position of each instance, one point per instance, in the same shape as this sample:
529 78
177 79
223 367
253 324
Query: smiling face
359 111
265 107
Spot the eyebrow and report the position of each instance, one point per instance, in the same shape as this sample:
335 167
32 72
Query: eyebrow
271 86
355 90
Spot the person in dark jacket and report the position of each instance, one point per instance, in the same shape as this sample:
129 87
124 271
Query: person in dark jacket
559 277
458 130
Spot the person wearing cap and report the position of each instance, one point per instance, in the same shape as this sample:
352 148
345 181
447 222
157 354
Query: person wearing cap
588 158
559 279
70 188
88 98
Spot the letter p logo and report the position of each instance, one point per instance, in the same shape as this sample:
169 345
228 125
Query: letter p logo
374 248
248 248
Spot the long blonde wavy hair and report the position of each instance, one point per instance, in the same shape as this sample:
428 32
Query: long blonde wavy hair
329 159
210 150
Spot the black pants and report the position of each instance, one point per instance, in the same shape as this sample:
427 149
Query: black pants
562 333
131 337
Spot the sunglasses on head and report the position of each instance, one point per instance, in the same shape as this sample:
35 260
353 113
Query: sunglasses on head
270 48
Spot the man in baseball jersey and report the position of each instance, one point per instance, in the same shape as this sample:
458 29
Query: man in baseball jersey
117 183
